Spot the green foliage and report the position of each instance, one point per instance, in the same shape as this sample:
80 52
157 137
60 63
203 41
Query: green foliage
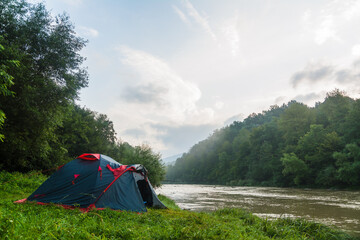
316 148
352 123
291 145
6 81
83 131
48 79
32 221
295 122
19 184
348 163
294 166
152 162
334 110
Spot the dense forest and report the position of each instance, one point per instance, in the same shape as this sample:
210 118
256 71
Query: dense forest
288 145
41 73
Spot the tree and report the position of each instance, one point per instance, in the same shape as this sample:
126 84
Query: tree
48 80
295 167
333 111
86 131
352 123
348 163
295 121
263 146
150 160
316 148
6 80
288 145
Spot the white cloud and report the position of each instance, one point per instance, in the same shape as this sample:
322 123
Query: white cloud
181 15
198 18
326 30
225 36
88 32
168 93
351 9
312 73
155 95
327 23
355 50
306 16
219 104
231 34
317 78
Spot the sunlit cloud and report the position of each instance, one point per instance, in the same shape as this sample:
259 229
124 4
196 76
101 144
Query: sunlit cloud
326 30
155 95
231 34
355 50
219 104
329 21
158 86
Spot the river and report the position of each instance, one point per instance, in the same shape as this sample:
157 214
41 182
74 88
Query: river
331 207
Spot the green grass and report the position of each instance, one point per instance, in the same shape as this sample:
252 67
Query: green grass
32 221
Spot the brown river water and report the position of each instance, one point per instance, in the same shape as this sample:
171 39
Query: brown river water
331 207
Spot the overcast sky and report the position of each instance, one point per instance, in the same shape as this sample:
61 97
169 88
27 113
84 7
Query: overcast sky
168 73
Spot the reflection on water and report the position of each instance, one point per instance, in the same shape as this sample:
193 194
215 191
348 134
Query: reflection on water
339 208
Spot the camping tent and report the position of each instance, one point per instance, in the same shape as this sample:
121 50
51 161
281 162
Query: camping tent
98 181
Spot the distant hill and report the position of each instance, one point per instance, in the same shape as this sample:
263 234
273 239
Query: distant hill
285 146
171 160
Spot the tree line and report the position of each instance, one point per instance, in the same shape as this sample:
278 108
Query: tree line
41 73
288 145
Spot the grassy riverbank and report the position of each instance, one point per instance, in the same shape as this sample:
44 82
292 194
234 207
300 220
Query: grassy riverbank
31 221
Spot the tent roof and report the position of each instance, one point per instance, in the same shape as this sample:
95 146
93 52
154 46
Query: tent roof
89 156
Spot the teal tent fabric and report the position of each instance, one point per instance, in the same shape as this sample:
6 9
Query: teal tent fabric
98 181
